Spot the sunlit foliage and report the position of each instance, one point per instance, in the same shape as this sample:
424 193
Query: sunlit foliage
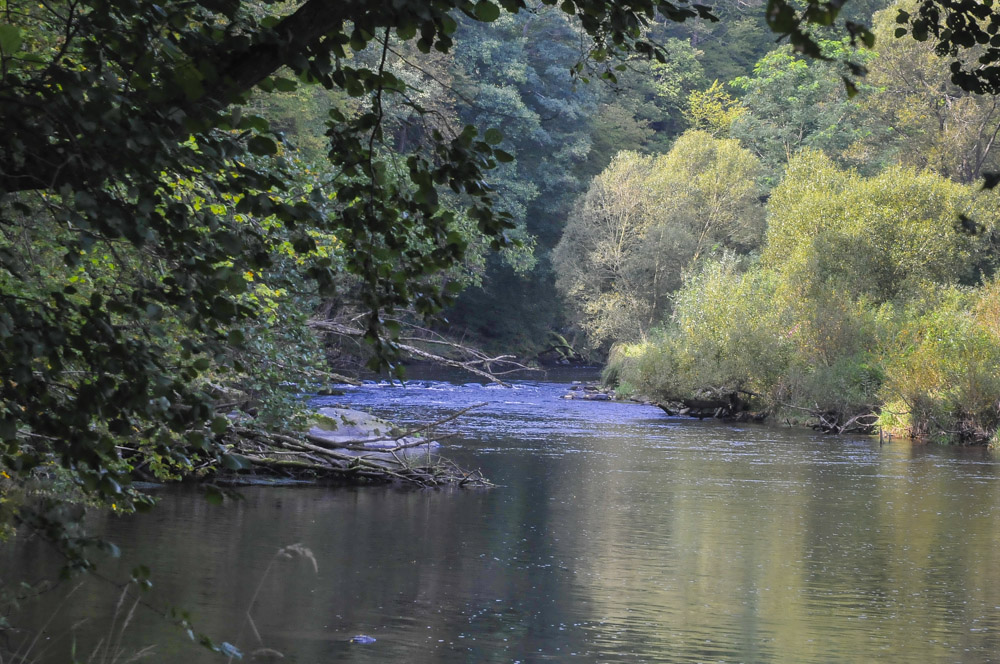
645 222
854 307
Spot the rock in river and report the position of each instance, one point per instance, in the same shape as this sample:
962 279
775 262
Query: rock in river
344 426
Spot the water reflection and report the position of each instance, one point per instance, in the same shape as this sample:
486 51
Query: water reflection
619 535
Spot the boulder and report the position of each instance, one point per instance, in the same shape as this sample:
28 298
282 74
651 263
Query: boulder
344 426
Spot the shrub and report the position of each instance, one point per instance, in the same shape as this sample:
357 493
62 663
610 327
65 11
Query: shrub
945 381
725 336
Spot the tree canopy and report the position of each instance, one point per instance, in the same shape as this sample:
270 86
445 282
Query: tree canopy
856 311
143 200
647 222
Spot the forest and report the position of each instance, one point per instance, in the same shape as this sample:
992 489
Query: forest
206 206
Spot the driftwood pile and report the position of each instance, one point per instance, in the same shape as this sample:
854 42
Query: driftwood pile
717 404
736 406
395 458
836 422
829 421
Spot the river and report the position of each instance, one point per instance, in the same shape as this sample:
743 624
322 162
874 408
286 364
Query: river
616 534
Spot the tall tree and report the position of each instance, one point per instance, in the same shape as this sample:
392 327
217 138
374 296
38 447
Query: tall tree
916 115
646 222
791 103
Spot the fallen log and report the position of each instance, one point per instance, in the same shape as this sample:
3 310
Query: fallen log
667 409
300 455
725 406
834 422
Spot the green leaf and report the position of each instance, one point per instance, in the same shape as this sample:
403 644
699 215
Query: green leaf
493 136
235 461
486 11
503 157
262 146
851 88
406 32
219 425
140 576
10 38
109 486
195 438
190 81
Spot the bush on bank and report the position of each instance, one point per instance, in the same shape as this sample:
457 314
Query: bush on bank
867 299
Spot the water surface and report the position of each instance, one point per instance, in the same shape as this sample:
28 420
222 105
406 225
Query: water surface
617 534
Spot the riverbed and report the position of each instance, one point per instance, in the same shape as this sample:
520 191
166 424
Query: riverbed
615 534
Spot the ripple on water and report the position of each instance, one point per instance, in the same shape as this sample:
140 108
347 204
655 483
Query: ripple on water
618 535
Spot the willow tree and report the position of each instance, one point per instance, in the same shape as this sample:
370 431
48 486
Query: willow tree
595 261
865 306
646 222
883 238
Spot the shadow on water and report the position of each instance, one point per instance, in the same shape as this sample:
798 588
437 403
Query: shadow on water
618 535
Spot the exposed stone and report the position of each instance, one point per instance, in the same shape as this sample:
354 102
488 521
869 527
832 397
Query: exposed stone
344 426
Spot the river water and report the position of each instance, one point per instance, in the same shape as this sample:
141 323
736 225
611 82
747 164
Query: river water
616 534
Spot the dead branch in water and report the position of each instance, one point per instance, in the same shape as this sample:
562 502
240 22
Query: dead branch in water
475 361
366 444
829 421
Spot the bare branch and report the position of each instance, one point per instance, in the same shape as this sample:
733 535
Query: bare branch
480 363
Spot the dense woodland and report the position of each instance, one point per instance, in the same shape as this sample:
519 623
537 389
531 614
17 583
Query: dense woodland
208 208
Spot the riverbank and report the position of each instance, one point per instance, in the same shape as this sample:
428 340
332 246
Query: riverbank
742 407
